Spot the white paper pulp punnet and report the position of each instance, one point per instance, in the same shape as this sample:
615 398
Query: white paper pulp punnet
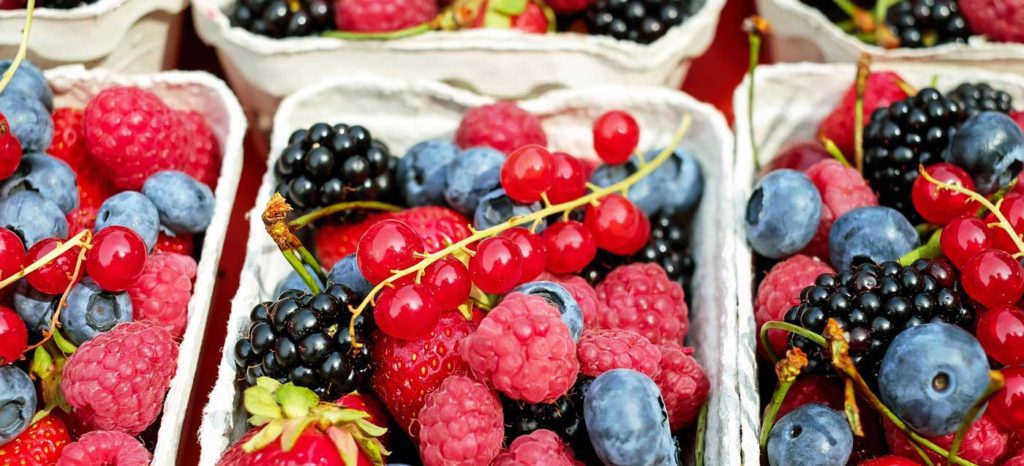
791 101
130 36
74 86
500 63
404 113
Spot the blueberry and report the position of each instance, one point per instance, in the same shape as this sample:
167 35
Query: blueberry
185 205
877 234
811 435
474 173
293 281
34 307
684 190
648 194
556 294
17 402
421 173
32 217
626 420
346 272
133 210
496 207
30 121
990 146
932 375
782 214
47 175
30 82
91 311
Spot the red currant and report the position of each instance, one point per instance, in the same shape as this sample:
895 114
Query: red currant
385 247
116 259
1001 332
570 180
1012 208
56 275
993 278
616 135
527 173
449 279
618 225
940 206
570 247
12 253
408 312
798 156
13 336
1007 406
10 150
963 238
497 265
532 248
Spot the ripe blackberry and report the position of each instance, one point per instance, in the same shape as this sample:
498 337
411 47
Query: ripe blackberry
899 138
325 165
874 303
924 23
283 18
832 11
980 97
564 417
63 4
669 247
303 338
642 21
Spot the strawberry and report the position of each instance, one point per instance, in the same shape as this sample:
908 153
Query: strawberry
881 90
368 404
438 226
69 145
178 244
40 445
335 241
532 16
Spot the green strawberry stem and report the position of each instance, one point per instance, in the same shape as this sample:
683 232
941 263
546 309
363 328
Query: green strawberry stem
698 441
787 371
779 325
306 219
755 27
985 203
389 35
996 381
30 9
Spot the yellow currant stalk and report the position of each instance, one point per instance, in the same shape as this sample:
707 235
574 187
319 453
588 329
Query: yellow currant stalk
1003 222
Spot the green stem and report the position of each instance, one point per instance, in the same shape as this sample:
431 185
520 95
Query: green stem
296 262
755 54
847 6
390 35
308 258
698 441
317 214
835 152
773 410
929 250
30 9
779 325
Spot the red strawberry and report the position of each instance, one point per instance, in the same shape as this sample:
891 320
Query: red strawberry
368 404
40 445
881 90
438 226
335 241
69 145
178 244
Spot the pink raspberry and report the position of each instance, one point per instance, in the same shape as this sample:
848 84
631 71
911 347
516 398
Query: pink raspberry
204 158
117 380
1000 20
382 15
461 424
582 292
881 90
1017 460
780 291
568 6
106 447
161 294
641 298
985 443
540 448
684 387
502 125
523 349
842 189
600 351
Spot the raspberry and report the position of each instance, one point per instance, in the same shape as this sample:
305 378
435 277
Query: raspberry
204 158
107 447
811 389
881 90
438 226
540 448
80 219
641 298
582 292
600 351
1000 20
181 243
461 424
842 190
161 294
684 387
983 445
502 126
337 240
523 349
117 380
891 461
780 291
1017 460
569 6
382 15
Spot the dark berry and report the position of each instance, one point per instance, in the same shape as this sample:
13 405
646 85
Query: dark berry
642 21
276 18
925 23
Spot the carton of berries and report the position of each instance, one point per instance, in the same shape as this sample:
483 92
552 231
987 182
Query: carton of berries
880 215
115 193
437 278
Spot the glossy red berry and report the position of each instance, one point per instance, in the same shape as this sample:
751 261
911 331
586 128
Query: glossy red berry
10 150
618 225
570 247
1006 407
570 179
13 336
993 278
532 248
408 312
385 247
12 253
616 135
116 259
964 237
497 265
1001 332
940 206
527 173
449 279
1012 208
56 275
798 156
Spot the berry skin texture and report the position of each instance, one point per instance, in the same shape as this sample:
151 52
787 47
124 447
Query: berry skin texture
940 206
346 272
185 205
780 291
179 244
616 134
523 349
1000 20
29 81
55 276
569 6
600 351
91 311
618 226
683 384
782 214
40 445
144 357
1017 460
799 156
581 292
993 278
1006 407
641 298
35 308
474 173
990 146
811 389
32 217
29 120
889 461
461 424
337 240
985 443
496 266
133 210
382 15
13 336
541 447
559 297
10 150
105 447
1012 208
880 90
570 179
422 173
116 258
1000 331
49 176
387 246
570 247
626 420
532 248
502 126
877 233
842 189
162 292
18 397
964 237
496 207
449 280
69 145
12 253
81 219
438 226
408 312
527 173
811 434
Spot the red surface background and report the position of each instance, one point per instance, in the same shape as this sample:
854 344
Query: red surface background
712 79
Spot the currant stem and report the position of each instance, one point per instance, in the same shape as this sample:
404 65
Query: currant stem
317 214
996 381
698 441
833 150
30 9
863 72
83 239
756 27
1003 222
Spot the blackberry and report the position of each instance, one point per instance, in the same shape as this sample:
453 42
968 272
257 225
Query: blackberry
924 23
980 97
832 11
642 21
873 303
63 4
912 132
303 338
283 18
326 164
563 416
669 247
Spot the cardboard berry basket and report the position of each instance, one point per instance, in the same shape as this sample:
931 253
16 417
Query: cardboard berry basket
791 101
500 63
73 86
403 113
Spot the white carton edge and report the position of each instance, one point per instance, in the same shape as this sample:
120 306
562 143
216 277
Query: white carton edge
200 91
402 113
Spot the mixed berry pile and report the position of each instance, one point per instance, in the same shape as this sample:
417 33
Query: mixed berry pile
101 209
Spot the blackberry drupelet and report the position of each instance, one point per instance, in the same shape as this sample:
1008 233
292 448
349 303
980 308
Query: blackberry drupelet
924 23
63 4
327 164
642 21
909 133
303 338
981 97
283 18
874 303
564 417
669 247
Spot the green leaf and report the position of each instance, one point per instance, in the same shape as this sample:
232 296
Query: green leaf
343 416
42 363
370 428
347 447
48 366
259 401
296 401
293 428
508 7
372 449
265 436
65 346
